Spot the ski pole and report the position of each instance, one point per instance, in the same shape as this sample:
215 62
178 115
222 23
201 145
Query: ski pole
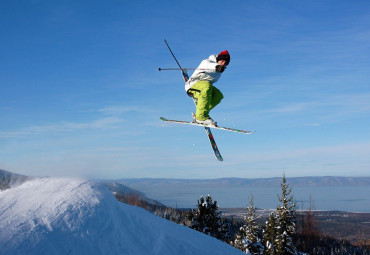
166 69
172 53
184 73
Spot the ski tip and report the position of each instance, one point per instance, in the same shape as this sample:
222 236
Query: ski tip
162 118
248 132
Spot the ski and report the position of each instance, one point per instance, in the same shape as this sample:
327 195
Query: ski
215 127
207 129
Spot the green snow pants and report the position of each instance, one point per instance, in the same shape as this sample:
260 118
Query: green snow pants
208 97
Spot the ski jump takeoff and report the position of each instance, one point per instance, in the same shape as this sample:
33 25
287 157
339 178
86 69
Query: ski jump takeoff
205 96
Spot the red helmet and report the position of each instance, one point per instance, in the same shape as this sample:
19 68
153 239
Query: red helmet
224 55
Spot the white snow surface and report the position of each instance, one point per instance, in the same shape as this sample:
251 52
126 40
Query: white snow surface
74 216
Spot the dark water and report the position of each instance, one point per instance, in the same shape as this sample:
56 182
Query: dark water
347 198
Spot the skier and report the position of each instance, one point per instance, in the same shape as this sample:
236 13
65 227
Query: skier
200 86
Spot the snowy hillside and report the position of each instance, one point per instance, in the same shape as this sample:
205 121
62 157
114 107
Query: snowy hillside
72 216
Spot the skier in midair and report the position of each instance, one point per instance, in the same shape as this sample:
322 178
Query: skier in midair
200 86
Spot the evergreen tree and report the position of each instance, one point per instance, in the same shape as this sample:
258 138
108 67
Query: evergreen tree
4 183
248 239
269 235
207 219
239 240
285 221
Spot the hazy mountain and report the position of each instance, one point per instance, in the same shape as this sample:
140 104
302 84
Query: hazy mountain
258 182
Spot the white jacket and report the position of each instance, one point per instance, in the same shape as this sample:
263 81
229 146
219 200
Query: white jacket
204 75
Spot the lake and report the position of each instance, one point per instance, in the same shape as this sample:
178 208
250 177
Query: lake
344 198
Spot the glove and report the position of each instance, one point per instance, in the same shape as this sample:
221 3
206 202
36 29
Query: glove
220 68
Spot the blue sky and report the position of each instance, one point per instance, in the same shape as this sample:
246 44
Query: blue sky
81 94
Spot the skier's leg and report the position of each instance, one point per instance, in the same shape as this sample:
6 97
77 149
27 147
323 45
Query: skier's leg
216 97
204 99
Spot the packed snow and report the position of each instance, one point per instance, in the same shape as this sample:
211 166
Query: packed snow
73 216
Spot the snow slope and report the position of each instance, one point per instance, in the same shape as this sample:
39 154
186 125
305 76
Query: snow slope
73 216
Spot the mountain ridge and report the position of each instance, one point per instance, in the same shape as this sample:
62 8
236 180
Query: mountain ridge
309 181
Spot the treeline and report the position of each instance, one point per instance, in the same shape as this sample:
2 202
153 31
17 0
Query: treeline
135 199
285 231
4 183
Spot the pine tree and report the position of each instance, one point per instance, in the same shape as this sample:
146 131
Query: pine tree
248 239
285 221
239 241
269 235
4 183
207 219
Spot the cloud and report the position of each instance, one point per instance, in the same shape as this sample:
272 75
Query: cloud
345 159
104 123
338 105
6 108
118 110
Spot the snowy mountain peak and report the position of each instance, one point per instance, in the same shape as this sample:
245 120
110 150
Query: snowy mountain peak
73 216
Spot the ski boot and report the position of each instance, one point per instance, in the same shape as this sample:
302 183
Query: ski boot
207 122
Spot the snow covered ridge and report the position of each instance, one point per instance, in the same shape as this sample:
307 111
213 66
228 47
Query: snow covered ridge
73 216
